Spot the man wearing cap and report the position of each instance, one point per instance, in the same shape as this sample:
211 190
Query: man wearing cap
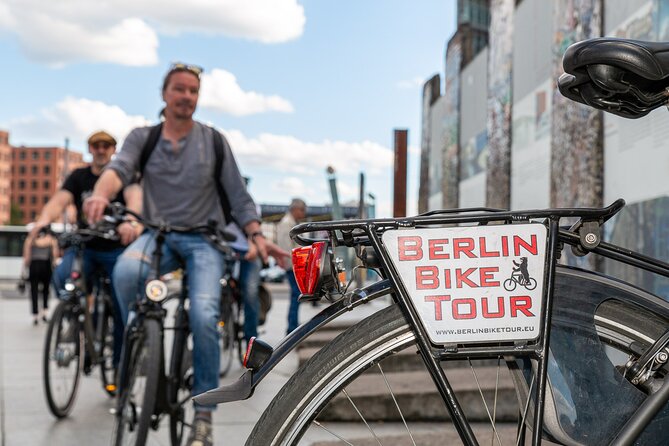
99 253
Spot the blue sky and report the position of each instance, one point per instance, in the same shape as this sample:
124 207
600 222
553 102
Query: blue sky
294 85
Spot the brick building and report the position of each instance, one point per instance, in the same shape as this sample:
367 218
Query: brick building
5 177
36 174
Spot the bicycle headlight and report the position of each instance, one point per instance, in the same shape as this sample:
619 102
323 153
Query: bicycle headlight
156 290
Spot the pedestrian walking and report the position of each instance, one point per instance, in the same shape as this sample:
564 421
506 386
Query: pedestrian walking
39 254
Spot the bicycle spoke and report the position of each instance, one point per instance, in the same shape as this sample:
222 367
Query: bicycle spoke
485 404
392 394
527 406
362 417
494 406
332 433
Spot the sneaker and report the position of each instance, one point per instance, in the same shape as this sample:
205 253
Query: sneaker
201 434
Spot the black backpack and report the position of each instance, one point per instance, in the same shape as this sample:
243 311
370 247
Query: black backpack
150 145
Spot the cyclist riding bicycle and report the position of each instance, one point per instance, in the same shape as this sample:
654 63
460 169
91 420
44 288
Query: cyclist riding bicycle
99 254
190 178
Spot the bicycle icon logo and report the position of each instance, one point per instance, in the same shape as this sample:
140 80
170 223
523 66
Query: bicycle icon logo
520 276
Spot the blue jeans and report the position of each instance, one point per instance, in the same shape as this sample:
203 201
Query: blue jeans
93 260
204 265
294 304
249 280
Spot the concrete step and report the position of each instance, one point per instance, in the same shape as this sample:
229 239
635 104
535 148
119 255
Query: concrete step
419 400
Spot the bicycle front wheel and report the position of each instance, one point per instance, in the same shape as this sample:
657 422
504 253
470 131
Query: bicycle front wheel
63 359
138 393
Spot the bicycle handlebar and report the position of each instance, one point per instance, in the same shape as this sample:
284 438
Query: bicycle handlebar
218 236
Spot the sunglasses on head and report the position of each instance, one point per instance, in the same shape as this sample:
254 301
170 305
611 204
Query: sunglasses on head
101 145
179 66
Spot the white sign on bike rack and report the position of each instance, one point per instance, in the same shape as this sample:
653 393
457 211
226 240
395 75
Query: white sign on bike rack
474 283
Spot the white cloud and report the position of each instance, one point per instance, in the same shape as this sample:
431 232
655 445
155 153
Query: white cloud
76 119
126 31
290 185
220 91
288 154
411 84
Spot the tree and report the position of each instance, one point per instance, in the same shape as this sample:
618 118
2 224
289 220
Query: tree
15 215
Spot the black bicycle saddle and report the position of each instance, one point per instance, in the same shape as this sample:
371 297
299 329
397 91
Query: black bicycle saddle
629 78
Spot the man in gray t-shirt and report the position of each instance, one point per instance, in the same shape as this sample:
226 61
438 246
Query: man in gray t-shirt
180 189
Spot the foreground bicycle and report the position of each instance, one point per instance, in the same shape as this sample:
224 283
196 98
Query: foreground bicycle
586 354
76 333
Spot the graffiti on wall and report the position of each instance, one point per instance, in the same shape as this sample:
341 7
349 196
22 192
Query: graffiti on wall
451 125
431 91
576 144
500 62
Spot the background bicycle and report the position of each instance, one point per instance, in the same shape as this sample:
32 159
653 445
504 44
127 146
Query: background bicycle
80 333
231 324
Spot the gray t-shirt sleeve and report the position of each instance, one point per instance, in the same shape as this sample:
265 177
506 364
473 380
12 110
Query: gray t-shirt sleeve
126 162
242 206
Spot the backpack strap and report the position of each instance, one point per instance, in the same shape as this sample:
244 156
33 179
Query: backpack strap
149 146
219 152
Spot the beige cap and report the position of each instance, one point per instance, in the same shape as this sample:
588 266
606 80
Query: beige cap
101 136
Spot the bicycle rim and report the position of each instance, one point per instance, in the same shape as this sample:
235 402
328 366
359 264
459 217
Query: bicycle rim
137 399
63 360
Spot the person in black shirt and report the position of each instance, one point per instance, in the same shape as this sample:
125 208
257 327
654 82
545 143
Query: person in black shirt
99 253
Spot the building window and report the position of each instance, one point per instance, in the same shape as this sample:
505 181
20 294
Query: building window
22 184
47 169
47 155
46 185
33 184
45 199
33 215
33 169
22 199
22 154
22 169
33 199
35 155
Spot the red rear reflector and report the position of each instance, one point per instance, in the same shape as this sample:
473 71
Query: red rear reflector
74 275
307 265
248 351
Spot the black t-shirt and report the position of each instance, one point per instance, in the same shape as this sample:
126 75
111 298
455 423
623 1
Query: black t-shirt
80 184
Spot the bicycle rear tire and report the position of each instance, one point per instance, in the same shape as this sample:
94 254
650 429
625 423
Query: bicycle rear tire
135 411
382 335
63 352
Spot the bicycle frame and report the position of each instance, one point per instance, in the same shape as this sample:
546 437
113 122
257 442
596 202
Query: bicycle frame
367 232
